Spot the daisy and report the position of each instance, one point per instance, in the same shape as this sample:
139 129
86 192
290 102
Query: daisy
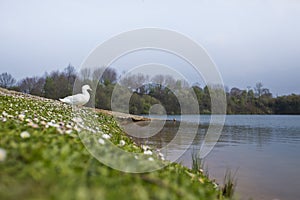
101 141
148 152
2 155
106 136
25 134
122 142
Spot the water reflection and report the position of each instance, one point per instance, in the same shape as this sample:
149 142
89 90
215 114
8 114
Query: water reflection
234 135
231 135
265 149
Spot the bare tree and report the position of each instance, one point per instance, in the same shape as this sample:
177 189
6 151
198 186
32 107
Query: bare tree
266 92
33 85
181 84
6 80
236 92
70 74
170 81
258 89
56 85
127 81
85 74
109 76
134 81
158 79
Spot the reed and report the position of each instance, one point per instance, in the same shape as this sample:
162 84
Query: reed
230 182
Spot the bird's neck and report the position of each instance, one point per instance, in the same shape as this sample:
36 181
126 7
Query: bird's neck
85 92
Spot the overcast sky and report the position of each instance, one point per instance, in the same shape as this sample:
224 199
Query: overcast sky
249 40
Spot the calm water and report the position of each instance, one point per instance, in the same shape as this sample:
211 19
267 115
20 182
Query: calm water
264 149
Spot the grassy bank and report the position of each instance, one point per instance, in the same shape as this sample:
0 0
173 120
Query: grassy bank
42 157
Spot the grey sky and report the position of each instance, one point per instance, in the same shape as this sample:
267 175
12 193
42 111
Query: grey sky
250 41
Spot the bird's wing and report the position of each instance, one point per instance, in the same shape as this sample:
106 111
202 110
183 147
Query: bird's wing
65 100
77 99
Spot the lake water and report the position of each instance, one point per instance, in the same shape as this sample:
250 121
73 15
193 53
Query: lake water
264 150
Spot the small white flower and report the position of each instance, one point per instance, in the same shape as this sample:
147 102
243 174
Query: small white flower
93 131
59 130
106 136
148 152
77 119
68 126
150 159
162 157
69 131
122 142
33 125
215 185
145 147
101 141
4 114
25 134
2 155
52 124
76 128
160 154
21 117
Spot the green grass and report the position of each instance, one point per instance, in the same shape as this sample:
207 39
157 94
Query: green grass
54 164
229 184
198 164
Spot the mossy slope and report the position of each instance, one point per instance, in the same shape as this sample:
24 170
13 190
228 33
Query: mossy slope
53 163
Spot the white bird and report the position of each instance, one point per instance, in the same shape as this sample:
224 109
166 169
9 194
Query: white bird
78 99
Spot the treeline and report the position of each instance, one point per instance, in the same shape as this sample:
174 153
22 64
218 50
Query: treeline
147 91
